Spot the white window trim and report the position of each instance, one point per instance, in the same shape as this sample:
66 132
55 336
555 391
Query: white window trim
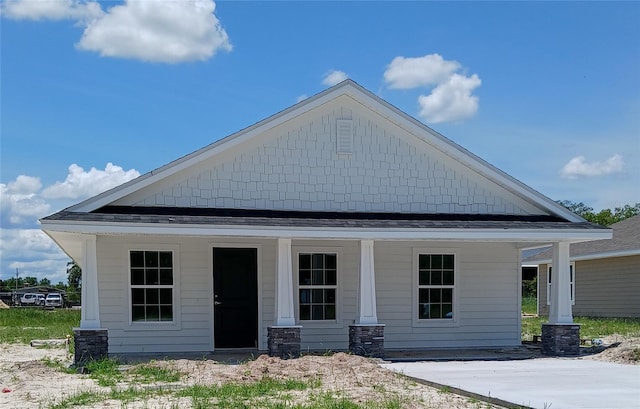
572 282
440 322
296 251
155 325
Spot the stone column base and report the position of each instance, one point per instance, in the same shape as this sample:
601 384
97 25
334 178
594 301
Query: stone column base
284 342
367 340
561 339
90 345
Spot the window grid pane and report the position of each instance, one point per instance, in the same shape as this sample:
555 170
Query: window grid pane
435 286
317 281
151 278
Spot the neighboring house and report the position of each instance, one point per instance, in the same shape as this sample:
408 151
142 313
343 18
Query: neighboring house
605 274
334 224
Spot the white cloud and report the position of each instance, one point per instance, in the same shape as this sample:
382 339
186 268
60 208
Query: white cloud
26 243
302 98
19 200
81 184
33 253
451 101
51 10
157 31
407 73
579 167
334 77
451 97
24 185
23 202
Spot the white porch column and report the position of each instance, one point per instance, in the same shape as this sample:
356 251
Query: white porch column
367 313
90 313
560 297
285 315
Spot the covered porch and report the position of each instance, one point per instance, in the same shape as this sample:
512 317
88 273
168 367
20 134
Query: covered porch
386 307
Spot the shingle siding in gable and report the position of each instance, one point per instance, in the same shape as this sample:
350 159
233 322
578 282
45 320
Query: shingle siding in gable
298 168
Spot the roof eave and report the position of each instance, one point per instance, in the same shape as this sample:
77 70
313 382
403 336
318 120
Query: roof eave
459 234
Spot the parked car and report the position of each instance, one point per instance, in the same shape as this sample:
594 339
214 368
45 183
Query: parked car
32 299
53 300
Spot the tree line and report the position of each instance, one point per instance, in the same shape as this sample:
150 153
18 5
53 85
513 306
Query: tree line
72 288
605 217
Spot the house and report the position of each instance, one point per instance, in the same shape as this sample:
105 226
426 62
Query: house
339 223
604 274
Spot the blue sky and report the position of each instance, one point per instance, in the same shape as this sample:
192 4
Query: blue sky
95 93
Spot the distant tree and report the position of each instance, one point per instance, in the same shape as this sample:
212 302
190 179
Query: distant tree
30 281
45 282
74 281
605 217
61 286
10 284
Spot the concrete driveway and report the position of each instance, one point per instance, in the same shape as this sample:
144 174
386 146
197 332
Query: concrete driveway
545 383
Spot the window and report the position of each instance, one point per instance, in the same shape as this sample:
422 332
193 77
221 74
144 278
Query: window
435 286
317 286
572 285
151 286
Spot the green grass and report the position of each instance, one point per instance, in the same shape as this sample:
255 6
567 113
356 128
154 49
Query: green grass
21 325
589 328
105 371
152 373
529 305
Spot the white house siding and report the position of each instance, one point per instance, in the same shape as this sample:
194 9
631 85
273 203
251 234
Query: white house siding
487 293
295 166
193 329
604 287
486 286
331 336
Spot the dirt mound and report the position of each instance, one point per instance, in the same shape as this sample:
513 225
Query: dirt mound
620 350
3 306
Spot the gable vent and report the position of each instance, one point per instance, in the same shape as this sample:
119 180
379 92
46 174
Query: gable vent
345 136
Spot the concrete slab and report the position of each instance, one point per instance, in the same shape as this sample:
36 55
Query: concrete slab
544 383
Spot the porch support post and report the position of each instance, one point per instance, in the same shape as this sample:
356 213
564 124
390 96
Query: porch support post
284 285
90 341
366 336
367 313
560 309
560 336
90 313
283 338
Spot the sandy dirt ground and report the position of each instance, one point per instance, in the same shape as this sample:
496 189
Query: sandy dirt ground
28 380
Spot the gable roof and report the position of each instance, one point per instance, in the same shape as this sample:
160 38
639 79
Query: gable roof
625 242
365 98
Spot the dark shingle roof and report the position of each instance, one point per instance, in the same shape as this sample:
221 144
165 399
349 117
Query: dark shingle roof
626 237
295 219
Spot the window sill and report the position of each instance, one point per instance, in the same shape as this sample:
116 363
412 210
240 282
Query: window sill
435 323
154 326
320 324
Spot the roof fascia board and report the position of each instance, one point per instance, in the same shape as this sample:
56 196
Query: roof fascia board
594 256
521 235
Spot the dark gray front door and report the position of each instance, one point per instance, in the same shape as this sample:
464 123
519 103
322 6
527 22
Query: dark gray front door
235 295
